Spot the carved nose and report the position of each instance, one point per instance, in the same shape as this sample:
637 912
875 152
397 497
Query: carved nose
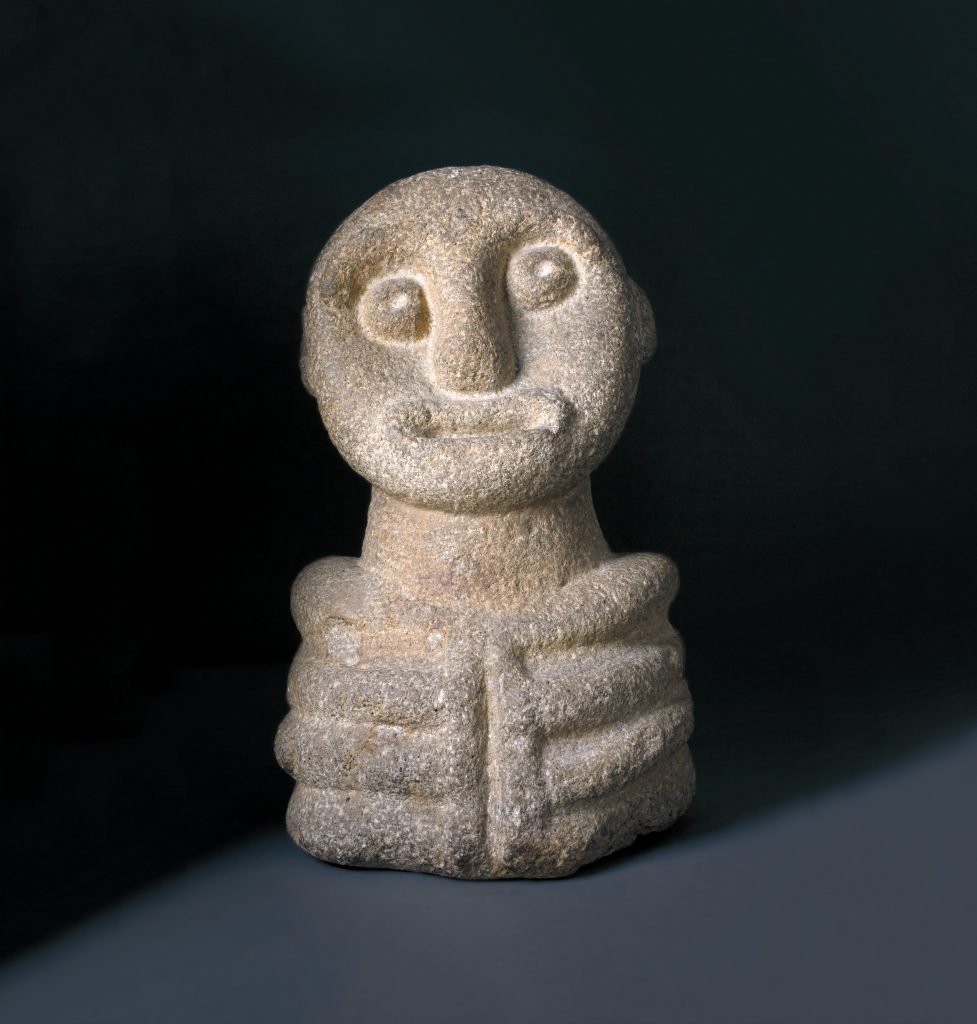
472 347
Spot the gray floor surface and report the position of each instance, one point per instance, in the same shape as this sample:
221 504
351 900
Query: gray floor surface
858 905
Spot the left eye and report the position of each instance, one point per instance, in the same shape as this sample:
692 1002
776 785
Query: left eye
541 276
394 309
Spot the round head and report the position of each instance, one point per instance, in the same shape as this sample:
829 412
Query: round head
473 340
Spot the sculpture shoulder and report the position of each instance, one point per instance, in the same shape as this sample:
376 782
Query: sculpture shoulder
622 596
643 581
330 589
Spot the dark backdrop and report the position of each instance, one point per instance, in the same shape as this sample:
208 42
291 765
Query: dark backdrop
793 184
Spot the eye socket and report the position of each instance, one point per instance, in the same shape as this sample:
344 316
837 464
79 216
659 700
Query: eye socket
541 276
394 309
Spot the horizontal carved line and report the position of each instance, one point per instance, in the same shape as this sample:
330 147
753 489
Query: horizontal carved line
598 685
378 758
403 695
584 765
372 829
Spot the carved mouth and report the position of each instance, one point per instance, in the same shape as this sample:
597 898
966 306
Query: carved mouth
525 411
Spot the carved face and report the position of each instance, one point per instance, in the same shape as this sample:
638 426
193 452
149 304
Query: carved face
473 340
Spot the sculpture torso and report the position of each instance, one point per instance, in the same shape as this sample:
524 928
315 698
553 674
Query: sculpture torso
487 691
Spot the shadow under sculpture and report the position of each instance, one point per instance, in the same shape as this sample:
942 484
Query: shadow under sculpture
488 692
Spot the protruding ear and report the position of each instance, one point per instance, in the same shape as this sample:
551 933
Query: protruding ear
307 358
304 352
644 322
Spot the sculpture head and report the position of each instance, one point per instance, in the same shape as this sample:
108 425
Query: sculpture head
473 340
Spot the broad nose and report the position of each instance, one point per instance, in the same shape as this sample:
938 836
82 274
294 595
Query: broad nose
472 346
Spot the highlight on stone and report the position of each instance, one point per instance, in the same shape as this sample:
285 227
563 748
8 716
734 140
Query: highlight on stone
488 691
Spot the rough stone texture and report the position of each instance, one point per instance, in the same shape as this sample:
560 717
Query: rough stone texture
487 692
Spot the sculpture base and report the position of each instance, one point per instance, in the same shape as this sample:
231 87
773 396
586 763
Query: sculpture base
373 830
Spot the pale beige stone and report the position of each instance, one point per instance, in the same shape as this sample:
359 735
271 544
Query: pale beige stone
487 692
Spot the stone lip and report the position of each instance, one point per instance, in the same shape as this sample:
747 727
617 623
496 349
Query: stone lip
523 410
488 692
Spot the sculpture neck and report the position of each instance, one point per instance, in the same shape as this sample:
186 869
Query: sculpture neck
491 559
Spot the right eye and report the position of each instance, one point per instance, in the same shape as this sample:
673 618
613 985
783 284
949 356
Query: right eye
541 276
394 309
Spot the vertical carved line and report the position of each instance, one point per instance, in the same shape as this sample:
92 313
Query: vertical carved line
515 798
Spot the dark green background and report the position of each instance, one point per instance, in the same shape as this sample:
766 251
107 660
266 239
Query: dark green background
793 185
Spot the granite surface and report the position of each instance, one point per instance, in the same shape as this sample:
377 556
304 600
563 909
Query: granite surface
488 691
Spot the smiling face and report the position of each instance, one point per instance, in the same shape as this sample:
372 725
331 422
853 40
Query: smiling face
473 340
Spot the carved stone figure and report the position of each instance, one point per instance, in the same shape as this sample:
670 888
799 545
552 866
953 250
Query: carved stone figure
487 692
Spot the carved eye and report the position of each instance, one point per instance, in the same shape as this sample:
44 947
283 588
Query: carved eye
394 309
541 277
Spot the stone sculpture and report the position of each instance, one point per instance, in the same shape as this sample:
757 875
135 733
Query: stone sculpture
487 692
